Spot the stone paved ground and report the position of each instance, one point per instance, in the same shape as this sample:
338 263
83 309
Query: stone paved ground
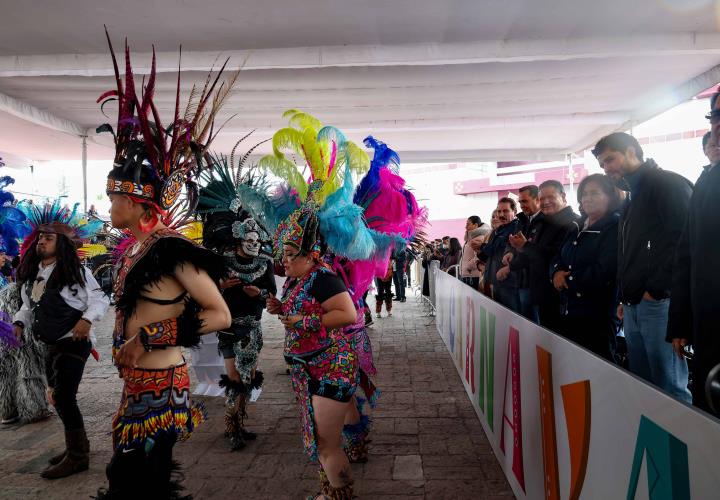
427 441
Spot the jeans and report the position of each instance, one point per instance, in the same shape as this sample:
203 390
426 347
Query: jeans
399 282
64 365
507 296
527 308
649 355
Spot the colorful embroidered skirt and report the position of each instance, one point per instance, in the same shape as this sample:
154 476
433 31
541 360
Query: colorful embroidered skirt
155 402
333 373
360 342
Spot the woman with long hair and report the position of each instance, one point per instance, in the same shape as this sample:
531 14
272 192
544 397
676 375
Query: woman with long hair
452 258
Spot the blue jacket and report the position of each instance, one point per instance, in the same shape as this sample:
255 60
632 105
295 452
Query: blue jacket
591 257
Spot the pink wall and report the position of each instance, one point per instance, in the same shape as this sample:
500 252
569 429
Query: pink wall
446 227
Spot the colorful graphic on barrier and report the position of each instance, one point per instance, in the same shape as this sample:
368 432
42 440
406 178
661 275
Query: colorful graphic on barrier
557 438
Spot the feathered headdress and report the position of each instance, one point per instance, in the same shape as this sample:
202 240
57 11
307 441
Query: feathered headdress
57 219
389 209
12 221
234 201
153 162
326 211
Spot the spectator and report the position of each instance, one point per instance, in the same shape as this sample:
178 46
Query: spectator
585 269
430 254
535 256
503 282
384 291
452 257
694 316
475 229
409 259
399 274
530 219
651 226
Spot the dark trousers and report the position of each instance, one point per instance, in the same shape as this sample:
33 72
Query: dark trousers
594 334
408 271
399 282
64 366
384 294
507 296
143 471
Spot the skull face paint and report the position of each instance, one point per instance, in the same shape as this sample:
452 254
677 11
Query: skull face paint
251 244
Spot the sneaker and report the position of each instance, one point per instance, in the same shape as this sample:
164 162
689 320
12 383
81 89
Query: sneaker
379 315
389 315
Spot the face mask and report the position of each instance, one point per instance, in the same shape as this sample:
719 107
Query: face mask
444 246
251 244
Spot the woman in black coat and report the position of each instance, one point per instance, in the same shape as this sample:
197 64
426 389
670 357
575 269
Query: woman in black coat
584 272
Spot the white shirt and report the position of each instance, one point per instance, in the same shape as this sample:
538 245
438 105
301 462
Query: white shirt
90 299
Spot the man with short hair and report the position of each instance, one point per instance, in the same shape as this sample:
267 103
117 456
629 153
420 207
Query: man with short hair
535 254
650 228
693 315
504 283
475 229
530 218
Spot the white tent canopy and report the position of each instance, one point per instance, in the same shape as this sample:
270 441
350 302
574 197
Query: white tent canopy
462 80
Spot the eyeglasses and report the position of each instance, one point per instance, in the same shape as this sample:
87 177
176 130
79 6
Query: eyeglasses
713 116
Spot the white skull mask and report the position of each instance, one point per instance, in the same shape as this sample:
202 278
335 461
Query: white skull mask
251 244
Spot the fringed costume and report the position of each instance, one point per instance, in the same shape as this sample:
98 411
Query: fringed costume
250 279
22 361
154 164
390 210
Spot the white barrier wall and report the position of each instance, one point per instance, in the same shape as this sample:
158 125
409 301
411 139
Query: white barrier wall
565 424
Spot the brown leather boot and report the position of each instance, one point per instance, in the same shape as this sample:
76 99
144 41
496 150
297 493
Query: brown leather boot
54 460
77 457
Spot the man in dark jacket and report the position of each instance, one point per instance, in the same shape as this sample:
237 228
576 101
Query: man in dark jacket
694 313
650 228
535 256
530 218
504 282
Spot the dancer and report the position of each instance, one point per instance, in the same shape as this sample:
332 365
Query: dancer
229 230
315 304
22 360
392 213
165 288
60 302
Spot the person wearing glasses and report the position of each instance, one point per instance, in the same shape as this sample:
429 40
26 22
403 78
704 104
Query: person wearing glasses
650 228
314 307
694 313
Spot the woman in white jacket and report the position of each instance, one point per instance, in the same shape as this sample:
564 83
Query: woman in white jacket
475 229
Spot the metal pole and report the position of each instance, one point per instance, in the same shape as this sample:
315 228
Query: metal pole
84 171
571 175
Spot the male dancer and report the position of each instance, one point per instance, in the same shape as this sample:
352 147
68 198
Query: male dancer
230 231
165 290
60 302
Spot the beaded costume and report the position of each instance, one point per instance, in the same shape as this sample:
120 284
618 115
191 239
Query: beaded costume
228 229
154 165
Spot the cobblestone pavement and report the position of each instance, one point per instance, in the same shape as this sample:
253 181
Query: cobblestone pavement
427 441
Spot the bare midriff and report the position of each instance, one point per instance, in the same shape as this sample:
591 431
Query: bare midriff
147 312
